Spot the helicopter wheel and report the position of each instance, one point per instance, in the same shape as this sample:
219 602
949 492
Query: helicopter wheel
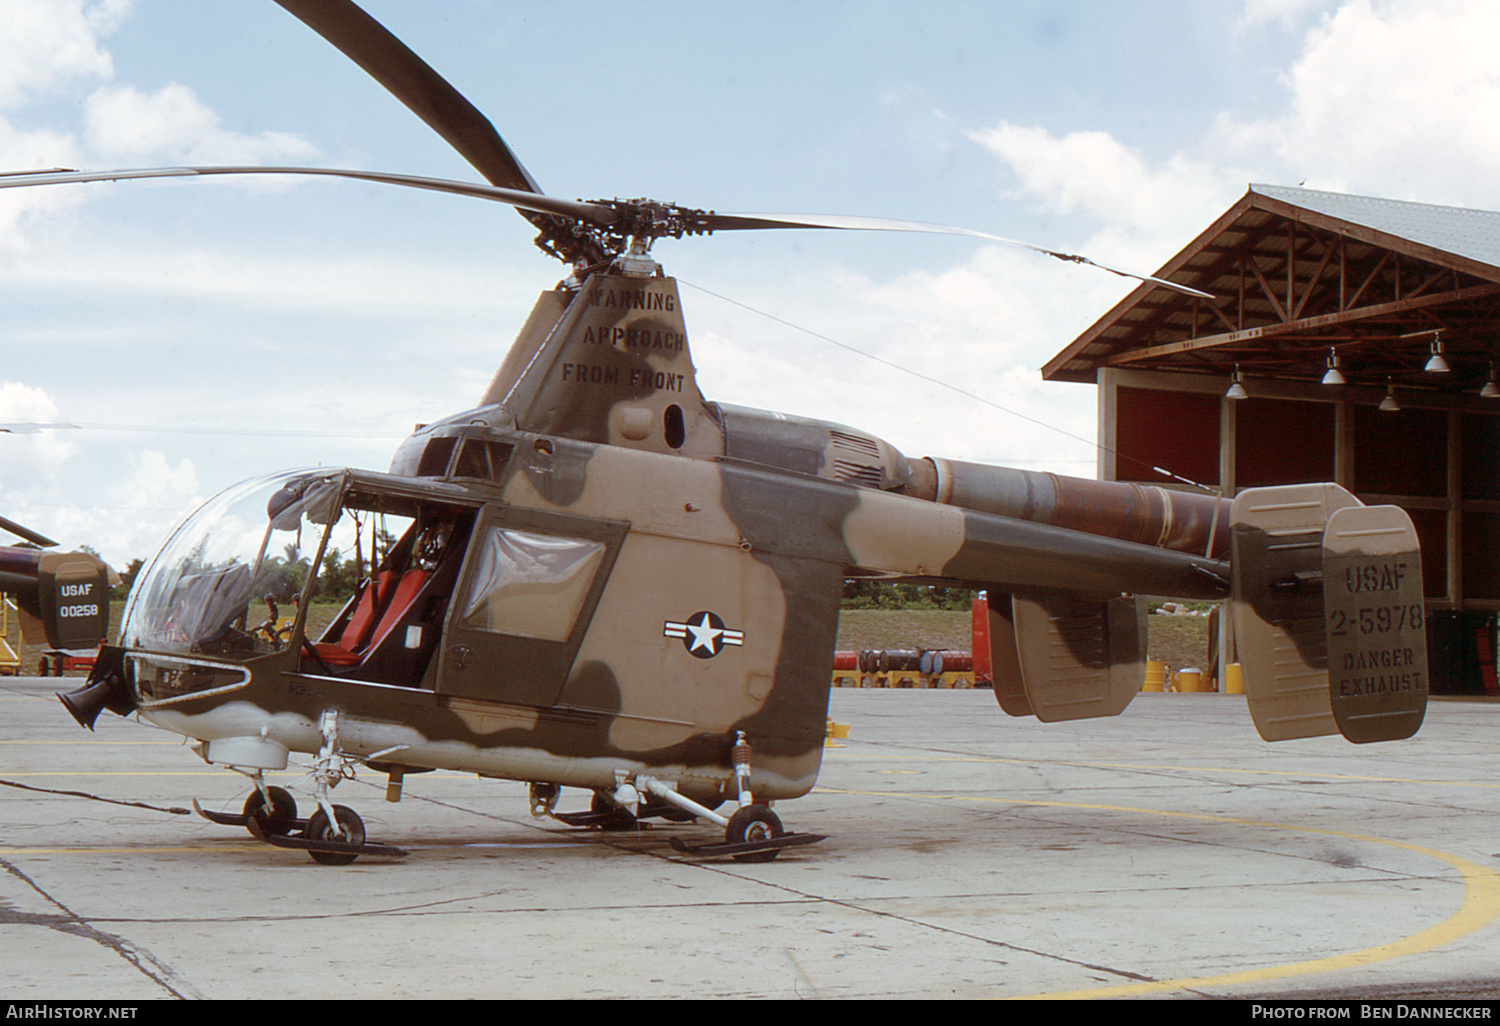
753 823
275 818
351 830
620 819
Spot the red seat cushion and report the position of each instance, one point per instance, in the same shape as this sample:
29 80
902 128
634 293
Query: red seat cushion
356 639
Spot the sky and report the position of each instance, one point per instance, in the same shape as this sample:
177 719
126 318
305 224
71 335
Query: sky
192 334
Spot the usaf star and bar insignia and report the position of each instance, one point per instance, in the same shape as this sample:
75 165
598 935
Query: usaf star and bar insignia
703 634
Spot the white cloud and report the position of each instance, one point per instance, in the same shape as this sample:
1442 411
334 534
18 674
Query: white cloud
123 521
1396 99
124 125
346 284
141 511
30 458
1386 98
983 327
18 207
45 43
39 472
1286 13
32 461
155 483
54 48
1392 99
1141 206
986 327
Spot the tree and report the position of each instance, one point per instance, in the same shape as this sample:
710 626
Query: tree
868 594
127 578
338 578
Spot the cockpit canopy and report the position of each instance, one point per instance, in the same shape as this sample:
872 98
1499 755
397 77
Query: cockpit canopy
256 547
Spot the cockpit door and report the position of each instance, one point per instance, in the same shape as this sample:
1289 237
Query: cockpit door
528 589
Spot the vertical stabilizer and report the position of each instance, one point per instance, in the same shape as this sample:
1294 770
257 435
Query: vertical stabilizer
1328 614
614 368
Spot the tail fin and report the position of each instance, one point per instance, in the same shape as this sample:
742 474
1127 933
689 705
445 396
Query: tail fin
66 593
1328 614
1062 657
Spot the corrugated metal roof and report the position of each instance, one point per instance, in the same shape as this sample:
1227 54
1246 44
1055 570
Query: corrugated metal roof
1474 234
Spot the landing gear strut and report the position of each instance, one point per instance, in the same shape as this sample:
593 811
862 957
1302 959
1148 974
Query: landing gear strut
752 834
333 835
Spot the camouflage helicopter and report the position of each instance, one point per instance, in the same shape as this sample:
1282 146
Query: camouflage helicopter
599 579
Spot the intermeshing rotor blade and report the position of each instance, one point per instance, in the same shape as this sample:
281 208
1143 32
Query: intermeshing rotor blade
27 533
445 110
412 81
745 222
589 213
618 217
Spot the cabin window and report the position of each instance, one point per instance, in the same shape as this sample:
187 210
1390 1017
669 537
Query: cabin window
530 585
435 458
482 459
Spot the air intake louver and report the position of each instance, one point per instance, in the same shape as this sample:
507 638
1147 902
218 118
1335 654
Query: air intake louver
857 460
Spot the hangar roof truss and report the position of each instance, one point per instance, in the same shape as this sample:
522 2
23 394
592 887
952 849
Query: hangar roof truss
1298 273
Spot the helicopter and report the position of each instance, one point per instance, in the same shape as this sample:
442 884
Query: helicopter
600 579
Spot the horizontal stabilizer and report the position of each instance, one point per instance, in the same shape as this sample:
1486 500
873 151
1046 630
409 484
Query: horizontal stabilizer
1276 544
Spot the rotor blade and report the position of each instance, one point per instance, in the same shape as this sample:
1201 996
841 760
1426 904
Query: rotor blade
412 81
30 427
746 222
27 533
590 213
601 214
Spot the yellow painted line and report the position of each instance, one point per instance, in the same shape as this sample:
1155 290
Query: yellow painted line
205 771
122 773
1481 904
138 850
1169 767
95 742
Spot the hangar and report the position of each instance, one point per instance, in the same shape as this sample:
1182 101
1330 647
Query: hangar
1352 339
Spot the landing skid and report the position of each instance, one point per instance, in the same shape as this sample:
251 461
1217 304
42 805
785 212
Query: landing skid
606 817
239 819
752 834
587 820
343 849
333 835
767 847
